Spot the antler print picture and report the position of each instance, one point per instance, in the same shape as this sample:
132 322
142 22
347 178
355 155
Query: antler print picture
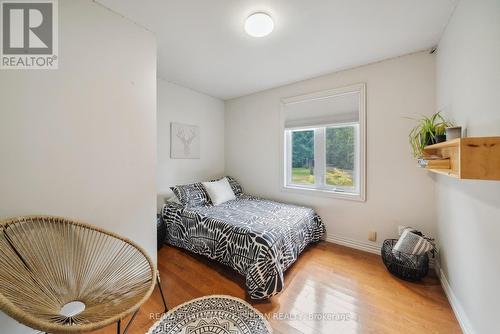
184 141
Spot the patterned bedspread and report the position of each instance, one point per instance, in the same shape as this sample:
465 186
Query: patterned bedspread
258 238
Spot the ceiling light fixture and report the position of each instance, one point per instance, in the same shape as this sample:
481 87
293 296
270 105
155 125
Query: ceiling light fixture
259 25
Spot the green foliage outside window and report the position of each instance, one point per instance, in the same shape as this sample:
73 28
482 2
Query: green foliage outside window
302 149
340 147
340 156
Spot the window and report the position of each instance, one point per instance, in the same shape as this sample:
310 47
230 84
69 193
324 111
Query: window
324 143
302 142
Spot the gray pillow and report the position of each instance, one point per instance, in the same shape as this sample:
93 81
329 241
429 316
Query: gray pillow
191 195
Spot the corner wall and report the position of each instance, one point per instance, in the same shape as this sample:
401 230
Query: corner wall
80 141
398 193
182 105
468 84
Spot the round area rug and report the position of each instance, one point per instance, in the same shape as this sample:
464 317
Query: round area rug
212 315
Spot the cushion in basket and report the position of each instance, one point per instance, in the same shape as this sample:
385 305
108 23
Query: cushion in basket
411 243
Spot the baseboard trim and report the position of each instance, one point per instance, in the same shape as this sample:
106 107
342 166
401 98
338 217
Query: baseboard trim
361 245
463 321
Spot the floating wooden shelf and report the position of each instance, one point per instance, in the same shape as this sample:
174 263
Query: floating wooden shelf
470 158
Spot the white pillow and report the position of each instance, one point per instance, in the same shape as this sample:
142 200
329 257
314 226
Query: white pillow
219 191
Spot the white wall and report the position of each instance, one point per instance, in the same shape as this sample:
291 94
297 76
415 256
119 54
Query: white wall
397 192
182 105
468 83
80 141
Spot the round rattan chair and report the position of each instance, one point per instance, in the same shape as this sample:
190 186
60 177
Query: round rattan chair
61 276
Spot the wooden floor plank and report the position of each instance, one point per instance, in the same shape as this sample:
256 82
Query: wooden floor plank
328 281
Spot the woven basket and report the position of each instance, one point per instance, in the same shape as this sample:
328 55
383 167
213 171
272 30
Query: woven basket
408 267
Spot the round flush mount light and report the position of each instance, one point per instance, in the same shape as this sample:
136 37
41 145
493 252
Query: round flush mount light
259 25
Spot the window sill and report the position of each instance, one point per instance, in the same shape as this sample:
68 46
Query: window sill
324 193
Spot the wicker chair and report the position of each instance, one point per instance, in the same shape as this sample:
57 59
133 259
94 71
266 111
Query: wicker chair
61 276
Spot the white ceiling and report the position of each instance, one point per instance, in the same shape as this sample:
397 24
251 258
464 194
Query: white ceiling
202 44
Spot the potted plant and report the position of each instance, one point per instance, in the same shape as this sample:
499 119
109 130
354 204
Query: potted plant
441 132
428 131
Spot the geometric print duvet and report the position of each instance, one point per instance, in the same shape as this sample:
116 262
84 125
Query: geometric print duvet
258 238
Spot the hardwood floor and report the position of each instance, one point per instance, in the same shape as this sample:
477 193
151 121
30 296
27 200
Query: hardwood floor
350 289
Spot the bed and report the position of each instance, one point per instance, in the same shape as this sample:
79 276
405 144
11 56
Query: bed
258 238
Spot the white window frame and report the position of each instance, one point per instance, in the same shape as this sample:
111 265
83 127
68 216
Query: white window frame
320 187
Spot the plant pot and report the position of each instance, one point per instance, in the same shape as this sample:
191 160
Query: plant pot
440 138
430 141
